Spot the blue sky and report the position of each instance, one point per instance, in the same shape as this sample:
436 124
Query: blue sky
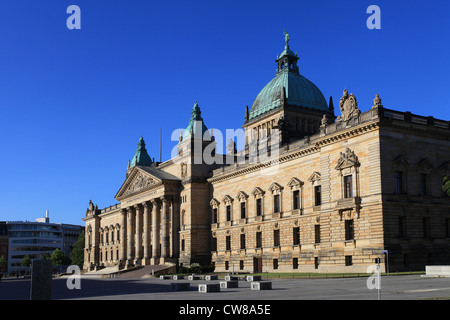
73 103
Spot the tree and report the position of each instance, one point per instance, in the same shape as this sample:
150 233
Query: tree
77 254
446 185
3 263
26 261
59 258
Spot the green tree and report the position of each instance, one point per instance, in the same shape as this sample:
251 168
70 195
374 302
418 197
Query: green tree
26 261
77 254
446 185
59 258
3 264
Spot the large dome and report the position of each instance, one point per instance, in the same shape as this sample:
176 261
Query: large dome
299 91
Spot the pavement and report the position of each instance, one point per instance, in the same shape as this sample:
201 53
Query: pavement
406 287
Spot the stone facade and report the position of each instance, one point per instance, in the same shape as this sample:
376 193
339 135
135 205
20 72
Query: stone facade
333 195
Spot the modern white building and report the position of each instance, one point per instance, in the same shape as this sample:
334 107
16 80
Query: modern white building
37 239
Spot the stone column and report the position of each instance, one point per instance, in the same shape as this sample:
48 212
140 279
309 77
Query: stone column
147 253
155 232
130 235
175 226
138 239
165 244
123 236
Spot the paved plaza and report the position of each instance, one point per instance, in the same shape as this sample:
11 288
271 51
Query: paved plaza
411 287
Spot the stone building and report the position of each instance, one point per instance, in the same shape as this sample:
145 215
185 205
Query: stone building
309 191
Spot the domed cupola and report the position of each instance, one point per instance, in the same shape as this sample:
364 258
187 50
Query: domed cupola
290 98
288 88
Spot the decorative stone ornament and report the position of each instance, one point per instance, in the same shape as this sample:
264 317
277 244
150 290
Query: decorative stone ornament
348 106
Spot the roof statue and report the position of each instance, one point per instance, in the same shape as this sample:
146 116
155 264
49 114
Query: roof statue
348 106
286 38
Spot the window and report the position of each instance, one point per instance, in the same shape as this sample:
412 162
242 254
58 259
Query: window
214 215
317 233
398 182
227 265
296 236
317 195
242 240
275 263
423 184
228 208
276 238
295 263
276 203
242 210
182 244
228 243
316 262
296 199
241 264
348 260
214 244
259 207
349 230
259 239
348 187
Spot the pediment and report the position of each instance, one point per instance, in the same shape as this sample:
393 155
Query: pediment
137 181
400 161
315 177
294 182
275 187
241 196
425 164
347 159
258 192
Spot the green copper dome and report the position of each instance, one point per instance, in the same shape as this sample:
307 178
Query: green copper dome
196 124
141 157
299 91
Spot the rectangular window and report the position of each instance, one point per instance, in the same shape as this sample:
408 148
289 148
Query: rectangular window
242 210
228 208
275 264
295 263
349 230
242 240
316 262
317 233
423 184
259 207
296 236
182 244
348 187
259 239
317 195
214 215
214 244
296 199
227 265
276 238
276 203
398 182
228 243
348 260
241 264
